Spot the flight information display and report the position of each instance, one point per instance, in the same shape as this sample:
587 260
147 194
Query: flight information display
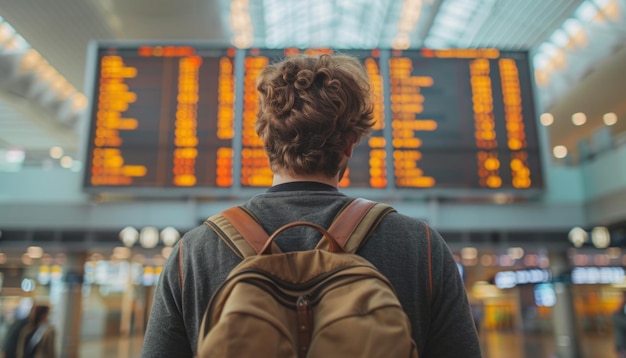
463 119
183 116
162 116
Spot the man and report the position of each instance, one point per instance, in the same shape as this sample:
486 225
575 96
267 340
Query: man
313 111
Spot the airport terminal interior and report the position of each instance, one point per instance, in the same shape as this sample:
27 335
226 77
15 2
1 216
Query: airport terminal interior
501 123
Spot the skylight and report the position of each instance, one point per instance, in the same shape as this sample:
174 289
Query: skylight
457 22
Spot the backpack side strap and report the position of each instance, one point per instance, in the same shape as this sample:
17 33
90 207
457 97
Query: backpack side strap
355 224
240 231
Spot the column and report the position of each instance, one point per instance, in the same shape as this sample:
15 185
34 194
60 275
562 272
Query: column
70 305
564 319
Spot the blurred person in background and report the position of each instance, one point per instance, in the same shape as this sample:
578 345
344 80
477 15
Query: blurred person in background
619 328
22 314
37 339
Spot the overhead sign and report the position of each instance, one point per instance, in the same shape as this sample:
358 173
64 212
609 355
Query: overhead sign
510 279
183 117
597 275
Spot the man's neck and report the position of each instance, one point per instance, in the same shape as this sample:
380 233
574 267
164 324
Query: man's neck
282 179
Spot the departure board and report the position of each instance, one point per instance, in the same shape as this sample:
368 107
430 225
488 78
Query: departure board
367 167
463 119
162 116
181 118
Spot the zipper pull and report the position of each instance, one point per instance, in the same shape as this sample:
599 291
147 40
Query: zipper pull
305 324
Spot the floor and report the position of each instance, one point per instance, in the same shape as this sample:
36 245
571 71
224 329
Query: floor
494 345
513 345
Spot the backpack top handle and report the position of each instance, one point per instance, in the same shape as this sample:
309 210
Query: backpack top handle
333 246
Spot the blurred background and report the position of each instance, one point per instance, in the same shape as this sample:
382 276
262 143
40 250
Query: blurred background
502 123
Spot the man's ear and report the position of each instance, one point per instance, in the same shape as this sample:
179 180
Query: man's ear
349 149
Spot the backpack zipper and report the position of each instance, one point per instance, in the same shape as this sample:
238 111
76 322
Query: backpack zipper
284 298
291 301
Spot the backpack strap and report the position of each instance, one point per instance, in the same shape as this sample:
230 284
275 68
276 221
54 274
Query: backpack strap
245 236
240 230
355 223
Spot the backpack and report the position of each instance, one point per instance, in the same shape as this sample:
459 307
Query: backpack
326 302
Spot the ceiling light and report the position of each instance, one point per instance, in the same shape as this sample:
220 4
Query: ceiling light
560 151
572 27
30 60
67 161
586 11
579 119
548 48
546 119
560 38
578 236
35 252
469 253
601 237
121 252
56 152
401 42
129 236
609 118
79 101
16 43
149 237
15 156
515 253
541 60
169 236
6 31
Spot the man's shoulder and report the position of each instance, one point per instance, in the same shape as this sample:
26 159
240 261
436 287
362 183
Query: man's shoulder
396 221
199 236
404 233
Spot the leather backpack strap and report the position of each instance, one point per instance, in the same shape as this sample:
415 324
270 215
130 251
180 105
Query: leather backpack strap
355 223
240 230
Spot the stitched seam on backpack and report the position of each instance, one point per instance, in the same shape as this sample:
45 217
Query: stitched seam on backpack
222 235
381 216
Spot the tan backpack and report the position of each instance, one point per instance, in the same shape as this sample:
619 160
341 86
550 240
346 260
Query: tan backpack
326 302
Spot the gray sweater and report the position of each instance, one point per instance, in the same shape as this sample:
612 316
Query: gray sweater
441 320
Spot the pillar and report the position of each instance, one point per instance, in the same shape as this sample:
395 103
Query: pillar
564 319
70 305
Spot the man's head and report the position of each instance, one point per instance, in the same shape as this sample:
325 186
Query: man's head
313 109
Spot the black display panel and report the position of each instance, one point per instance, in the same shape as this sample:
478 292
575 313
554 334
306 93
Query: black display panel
162 116
180 119
463 119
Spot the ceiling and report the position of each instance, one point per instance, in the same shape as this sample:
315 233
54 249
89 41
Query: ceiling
61 30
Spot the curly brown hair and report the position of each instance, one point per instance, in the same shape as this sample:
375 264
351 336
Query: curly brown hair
311 108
